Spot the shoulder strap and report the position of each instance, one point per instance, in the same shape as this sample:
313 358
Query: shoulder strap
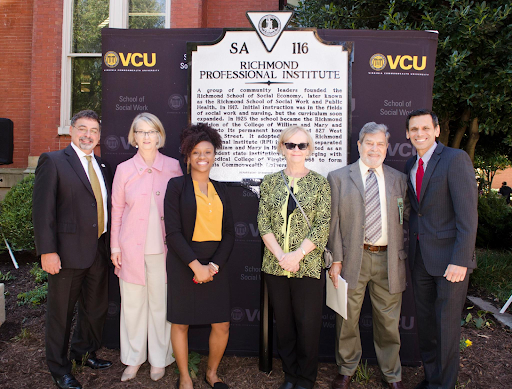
296 202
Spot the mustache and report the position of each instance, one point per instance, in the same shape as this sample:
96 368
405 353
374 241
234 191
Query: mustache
86 138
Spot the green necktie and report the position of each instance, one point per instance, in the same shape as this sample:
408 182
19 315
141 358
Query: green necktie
96 188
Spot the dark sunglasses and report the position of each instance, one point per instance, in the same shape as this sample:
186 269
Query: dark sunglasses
301 146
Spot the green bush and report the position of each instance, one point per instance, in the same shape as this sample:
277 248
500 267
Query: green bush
494 222
35 296
39 274
16 216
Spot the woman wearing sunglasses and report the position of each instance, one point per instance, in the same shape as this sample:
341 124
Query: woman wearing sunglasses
293 260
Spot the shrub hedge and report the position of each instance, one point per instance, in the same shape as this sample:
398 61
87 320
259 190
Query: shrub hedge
16 216
494 222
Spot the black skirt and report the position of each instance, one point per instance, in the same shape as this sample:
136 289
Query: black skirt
191 303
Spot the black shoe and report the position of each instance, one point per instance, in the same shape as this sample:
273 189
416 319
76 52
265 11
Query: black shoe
94 363
217 385
67 381
287 385
422 385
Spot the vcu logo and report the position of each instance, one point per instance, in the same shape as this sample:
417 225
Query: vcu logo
112 59
405 62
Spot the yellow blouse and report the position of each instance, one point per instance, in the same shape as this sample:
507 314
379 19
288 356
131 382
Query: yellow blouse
209 215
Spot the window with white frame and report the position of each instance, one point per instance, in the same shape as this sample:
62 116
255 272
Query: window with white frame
81 46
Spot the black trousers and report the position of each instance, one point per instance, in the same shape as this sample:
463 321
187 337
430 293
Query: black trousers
90 288
439 304
297 304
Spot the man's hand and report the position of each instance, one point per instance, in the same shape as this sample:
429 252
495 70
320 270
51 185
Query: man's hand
455 273
116 260
334 272
51 263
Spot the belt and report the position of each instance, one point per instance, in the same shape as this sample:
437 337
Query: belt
375 249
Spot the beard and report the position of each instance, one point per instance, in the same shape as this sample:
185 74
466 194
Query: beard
86 146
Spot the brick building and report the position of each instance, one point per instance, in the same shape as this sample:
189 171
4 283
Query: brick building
49 48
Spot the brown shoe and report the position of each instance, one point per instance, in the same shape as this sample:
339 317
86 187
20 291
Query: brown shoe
396 385
341 382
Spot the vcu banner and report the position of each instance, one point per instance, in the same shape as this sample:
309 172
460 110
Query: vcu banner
148 71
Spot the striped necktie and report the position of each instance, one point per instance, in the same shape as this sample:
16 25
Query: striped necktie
373 223
96 188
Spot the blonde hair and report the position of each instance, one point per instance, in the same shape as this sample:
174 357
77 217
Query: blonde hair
287 133
154 122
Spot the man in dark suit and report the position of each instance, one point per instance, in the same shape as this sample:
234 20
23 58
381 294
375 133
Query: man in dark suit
370 195
442 233
70 214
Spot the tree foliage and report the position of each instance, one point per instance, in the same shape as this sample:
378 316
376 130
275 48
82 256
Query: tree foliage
473 79
488 162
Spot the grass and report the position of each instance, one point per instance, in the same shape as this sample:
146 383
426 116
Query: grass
363 373
78 367
7 276
494 273
23 335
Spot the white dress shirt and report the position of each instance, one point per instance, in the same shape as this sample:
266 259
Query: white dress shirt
85 164
379 173
426 157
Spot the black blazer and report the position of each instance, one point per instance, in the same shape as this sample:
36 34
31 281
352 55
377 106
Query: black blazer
64 208
446 218
180 210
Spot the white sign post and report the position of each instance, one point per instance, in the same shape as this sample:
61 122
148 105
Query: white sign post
251 85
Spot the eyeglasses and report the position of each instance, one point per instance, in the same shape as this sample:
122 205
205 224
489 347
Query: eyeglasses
83 130
143 134
301 146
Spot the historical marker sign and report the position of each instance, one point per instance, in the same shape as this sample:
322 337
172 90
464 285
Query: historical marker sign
251 85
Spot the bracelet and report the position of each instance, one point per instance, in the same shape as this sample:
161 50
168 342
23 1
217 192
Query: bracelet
215 266
303 251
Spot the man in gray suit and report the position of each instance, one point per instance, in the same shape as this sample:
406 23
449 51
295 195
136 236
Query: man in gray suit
442 232
367 240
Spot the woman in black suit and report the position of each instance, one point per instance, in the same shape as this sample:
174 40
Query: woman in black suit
200 236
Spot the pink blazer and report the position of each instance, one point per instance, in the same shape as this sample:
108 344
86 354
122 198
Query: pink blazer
131 197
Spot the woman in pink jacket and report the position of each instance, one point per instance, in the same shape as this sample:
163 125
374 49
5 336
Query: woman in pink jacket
138 248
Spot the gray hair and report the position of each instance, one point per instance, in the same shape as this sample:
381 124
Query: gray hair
373 128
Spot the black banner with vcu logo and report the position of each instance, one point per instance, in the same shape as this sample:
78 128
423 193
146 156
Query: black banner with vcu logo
147 71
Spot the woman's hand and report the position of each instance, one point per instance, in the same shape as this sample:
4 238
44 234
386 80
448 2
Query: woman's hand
214 269
290 261
116 260
203 274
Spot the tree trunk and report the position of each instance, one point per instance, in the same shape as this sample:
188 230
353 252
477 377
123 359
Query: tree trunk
459 134
445 130
474 135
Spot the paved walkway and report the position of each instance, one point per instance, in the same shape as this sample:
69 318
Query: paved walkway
503 318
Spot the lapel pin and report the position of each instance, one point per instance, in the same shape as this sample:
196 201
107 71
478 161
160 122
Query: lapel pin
102 165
